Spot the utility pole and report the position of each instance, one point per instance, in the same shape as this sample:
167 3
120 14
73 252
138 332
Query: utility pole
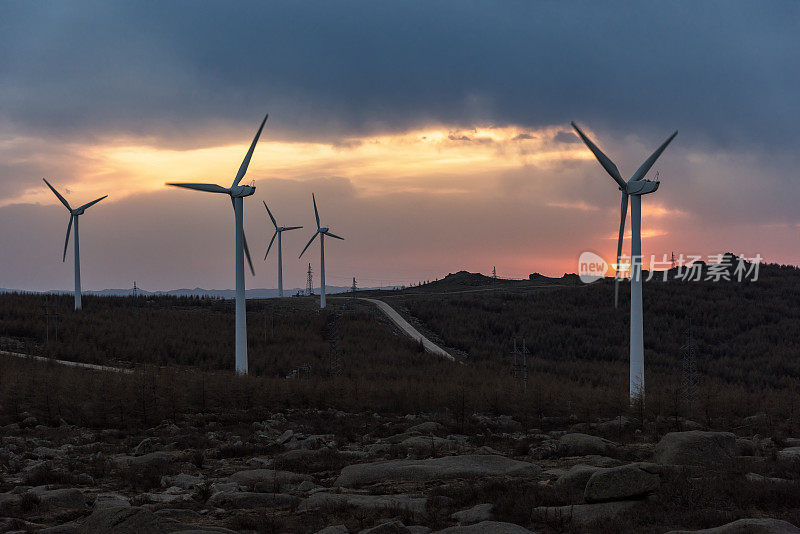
309 282
494 279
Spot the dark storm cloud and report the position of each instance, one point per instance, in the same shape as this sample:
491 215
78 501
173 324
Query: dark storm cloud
724 73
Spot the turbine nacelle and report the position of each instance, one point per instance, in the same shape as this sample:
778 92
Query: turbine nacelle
642 187
242 190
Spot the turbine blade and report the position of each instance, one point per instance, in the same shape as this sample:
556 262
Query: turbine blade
270 244
270 215
210 188
333 236
62 199
92 203
309 244
247 253
246 162
607 164
66 241
623 215
285 228
316 213
642 171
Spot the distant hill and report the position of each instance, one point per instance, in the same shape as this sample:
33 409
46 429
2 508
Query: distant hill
262 293
468 280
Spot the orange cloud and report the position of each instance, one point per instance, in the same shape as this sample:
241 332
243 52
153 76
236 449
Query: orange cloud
435 160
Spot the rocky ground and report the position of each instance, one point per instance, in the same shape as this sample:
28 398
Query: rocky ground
334 472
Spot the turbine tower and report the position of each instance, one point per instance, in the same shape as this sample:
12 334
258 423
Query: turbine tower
278 231
321 232
73 217
237 193
635 187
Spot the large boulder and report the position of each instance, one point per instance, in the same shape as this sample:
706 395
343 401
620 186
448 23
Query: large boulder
577 444
747 526
484 527
111 500
623 482
63 499
577 477
447 467
321 499
695 447
476 514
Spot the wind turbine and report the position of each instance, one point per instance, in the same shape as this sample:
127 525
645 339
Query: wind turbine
73 217
237 193
321 232
278 231
635 187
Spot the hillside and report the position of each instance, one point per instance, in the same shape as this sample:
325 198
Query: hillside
400 437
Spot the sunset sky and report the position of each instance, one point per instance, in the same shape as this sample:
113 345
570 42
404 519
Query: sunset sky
435 135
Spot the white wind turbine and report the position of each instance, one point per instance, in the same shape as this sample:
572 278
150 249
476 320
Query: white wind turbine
73 217
237 193
635 187
321 232
278 231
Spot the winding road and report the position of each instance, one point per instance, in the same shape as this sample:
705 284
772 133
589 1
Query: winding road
67 363
409 330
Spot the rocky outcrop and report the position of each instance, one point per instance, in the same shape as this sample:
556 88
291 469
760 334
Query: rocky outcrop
620 483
